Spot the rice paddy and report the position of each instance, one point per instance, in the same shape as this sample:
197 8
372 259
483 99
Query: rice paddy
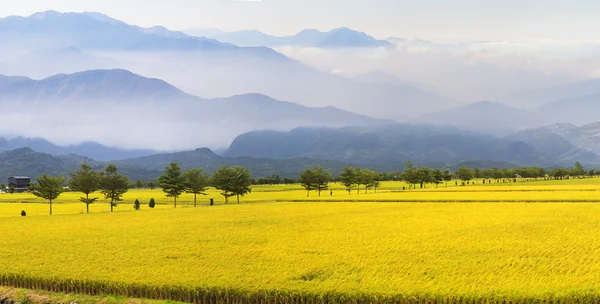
520 242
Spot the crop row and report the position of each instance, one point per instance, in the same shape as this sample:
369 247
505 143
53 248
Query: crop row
234 296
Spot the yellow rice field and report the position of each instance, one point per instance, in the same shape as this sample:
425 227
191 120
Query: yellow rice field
316 252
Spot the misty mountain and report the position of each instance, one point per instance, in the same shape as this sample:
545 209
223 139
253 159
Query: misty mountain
94 31
486 117
203 67
207 160
533 99
337 38
578 110
586 137
87 149
119 108
25 161
95 85
546 144
392 145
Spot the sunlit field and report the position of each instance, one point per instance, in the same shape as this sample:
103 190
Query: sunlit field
576 190
524 247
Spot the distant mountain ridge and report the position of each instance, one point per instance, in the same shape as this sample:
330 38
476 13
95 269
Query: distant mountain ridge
96 31
100 94
50 43
27 162
337 38
107 85
392 145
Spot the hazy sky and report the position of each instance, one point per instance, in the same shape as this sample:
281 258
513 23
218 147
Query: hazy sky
472 19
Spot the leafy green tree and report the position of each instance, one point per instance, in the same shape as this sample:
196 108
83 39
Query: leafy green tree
289 181
447 177
348 178
11 189
2 187
222 180
411 175
196 182
425 176
308 180
241 182
465 174
86 181
477 172
578 170
136 204
172 182
373 180
438 176
152 203
559 173
113 185
49 187
363 177
139 184
151 185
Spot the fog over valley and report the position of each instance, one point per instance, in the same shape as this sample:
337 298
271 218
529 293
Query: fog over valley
72 78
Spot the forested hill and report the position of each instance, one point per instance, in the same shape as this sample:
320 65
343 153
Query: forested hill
25 161
392 145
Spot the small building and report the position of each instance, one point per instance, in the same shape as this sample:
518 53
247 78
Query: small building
20 183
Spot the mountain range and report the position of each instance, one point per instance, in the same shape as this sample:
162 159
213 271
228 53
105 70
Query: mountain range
383 148
50 43
337 38
95 31
27 162
133 100
392 145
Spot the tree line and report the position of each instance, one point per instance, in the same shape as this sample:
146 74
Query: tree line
230 181
237 181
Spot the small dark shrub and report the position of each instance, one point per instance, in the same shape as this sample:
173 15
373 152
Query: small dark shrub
152 203
23 213
136 205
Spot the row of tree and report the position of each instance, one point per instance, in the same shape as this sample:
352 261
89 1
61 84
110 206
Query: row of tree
231 181
237 181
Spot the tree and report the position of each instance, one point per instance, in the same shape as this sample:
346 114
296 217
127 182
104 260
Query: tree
49 187
464 173
578 170
322 178
372 180
447 177
2 187
172 182
11 189
437 176
411 175
196 182
113 185
136 204
425 176
152 203
348 178
308 180
87 181
241 182
289 181
222 180
151 185
559 173
139 184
